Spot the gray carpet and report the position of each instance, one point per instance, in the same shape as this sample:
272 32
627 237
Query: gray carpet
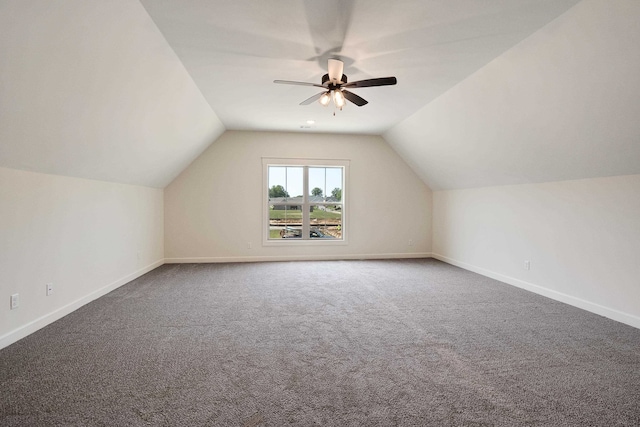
344 343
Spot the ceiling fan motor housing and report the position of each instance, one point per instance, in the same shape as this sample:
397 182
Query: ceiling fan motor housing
325 78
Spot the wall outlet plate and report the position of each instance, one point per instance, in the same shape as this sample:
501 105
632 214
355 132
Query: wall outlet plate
15 301
49 288
527 265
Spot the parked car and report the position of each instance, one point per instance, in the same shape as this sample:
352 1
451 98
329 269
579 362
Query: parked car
314 233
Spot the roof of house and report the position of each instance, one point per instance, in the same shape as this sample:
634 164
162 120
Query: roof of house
298 199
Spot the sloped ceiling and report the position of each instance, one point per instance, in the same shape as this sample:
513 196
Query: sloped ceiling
235 49
489 93
91 89
563 104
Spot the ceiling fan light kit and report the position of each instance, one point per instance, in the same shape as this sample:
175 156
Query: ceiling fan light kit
325 98
334 84
338 98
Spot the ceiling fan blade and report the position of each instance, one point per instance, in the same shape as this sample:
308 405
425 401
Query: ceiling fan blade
354 98
312 99
336 67
289 82
382 81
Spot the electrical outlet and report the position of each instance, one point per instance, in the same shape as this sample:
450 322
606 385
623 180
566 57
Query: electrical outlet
527 265
49 288
249 246
15 301
410 242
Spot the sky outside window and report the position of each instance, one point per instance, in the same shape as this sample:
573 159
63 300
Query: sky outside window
290 177
326 179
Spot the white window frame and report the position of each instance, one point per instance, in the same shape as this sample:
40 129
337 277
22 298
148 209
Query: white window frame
272 161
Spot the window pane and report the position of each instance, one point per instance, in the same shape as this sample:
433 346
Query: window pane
325 222
334 184
325 183
316 184
284 182
285 222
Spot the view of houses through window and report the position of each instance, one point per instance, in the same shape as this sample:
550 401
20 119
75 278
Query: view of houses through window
305 202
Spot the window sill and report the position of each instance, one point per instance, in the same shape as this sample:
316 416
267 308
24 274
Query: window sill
296 242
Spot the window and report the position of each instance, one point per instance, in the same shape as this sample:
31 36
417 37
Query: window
304 201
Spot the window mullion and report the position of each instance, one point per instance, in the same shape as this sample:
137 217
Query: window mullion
305 203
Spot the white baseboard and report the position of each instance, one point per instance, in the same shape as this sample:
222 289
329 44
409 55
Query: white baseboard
601 310
295 258
29 328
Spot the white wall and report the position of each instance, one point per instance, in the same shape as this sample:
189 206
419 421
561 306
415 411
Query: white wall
582 238
86 237
214 208
92 89
563 104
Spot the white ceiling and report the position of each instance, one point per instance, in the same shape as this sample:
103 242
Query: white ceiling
235 49
91 89
489 92
564 104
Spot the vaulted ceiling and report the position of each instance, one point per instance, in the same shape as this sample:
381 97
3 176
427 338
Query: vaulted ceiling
235 49
561 105
489 93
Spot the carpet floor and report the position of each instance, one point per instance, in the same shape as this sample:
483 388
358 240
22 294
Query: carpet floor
336 343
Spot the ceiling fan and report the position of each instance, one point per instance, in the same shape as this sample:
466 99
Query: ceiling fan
335 84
